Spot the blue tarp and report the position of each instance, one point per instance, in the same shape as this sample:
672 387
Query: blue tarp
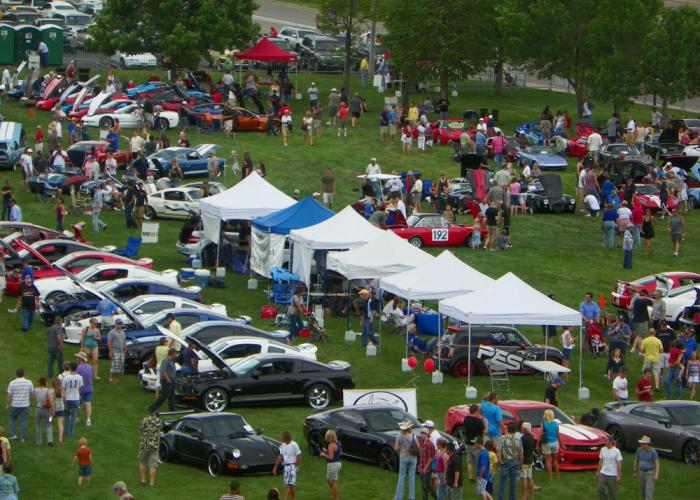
303 213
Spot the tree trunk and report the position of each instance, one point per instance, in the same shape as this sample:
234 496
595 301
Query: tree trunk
444 84
617 109
348 61
498 84
664 110
580 98
406 92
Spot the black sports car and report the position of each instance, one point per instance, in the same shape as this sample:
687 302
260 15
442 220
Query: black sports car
661 150
545 194
673 426
621 170
264 378
222 443
614 151
366 433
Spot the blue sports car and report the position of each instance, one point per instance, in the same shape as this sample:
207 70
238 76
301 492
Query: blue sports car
149 87
192 161
544 156
533 132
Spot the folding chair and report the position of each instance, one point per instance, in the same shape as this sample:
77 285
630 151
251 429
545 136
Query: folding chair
499 378
133 244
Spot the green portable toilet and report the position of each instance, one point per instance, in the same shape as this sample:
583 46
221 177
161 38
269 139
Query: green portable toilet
26 38
7 44
52 36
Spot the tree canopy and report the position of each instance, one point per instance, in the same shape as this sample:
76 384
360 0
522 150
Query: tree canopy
182 30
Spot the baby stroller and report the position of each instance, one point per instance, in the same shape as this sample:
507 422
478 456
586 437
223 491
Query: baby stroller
595 340
317 332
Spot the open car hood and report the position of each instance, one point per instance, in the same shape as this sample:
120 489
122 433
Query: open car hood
217 360
96 102
551 184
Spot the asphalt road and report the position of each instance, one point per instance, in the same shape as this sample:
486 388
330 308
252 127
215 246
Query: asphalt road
278 14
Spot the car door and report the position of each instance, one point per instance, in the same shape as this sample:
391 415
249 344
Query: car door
654 421
189 440
105 275
155 306
353 433
270 380
83 263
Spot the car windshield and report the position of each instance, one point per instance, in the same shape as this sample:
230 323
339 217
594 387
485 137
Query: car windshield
692 123
195 194
541 150
227 425
412 220
534 416
244 366
327 45
647 189
282 44
388 420
77 20
685 415
166 154
84 147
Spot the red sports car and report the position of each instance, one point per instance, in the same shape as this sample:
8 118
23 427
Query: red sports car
77 152
433 230
579 445
448 130
74 262
578 148
647 195
622 294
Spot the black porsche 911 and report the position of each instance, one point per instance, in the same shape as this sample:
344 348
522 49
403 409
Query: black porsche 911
264 379
366 433
673 426
221 443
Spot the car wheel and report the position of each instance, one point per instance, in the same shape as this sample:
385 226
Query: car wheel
616 432
215 400
458 433
164 124
691 452
388 460
533 206
416 242
214 465
106 122
461 368
164 452
691 202
315 442
150 213
122 63
319 396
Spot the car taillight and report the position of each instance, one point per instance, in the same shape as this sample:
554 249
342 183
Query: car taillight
192 239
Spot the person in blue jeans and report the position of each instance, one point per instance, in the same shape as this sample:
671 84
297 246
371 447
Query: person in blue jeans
673 375
29 301
294 312
70 387
406 444
510 451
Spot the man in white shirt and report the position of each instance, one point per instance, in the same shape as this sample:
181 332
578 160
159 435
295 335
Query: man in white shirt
19 394
656 119
592 205
595 141
136 142
70 385
619 387
609 470
27 166
98 202
111 165
15 211
312 92
58 160
43 54
374 169
290 458
434 433
6 80
527 173
227 79
629 131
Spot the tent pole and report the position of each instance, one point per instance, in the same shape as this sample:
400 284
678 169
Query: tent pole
409 310
348 305
580 356
440 333
469 357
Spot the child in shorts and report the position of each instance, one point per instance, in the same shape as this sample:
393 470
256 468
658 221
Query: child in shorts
476 234
493 463
83 456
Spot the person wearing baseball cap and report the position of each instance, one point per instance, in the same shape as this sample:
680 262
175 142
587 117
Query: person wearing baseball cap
434 433
116 343
550 393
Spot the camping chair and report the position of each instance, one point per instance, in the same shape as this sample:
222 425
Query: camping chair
45 192
80 205
131 250
499 378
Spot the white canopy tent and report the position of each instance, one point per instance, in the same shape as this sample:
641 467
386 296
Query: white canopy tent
385 255
345 230
250 198
509 301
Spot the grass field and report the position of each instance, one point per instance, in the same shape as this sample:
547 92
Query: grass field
556 254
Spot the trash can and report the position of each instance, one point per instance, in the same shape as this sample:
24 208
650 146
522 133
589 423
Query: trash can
26 38
83 74
7 44
494 113
483 112
52 36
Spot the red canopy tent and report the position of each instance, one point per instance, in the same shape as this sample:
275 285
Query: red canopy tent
266 51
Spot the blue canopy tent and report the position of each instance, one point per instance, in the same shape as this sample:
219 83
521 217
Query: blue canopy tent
269 233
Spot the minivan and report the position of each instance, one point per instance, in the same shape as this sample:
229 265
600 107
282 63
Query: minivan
12 144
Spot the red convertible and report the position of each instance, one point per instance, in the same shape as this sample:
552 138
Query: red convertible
433 230
579 445
449 130
74 262
578 148
622 294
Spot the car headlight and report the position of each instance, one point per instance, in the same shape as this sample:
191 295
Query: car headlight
236 453
546 201
572 201
132 354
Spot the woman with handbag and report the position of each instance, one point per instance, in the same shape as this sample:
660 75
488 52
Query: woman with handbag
44 412
407 447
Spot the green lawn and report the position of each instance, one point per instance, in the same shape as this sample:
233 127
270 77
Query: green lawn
556 254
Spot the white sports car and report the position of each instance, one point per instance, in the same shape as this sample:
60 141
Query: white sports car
99 274
678 299
129 117
173 203
142 60
232 349
142 306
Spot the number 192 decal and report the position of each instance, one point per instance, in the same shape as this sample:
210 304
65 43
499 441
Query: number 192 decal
439 234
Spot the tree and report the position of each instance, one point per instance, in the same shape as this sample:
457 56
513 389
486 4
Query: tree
182 30
344 17
577 39
668 56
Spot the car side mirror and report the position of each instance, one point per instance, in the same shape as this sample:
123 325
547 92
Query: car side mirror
138 311
665 422
259 431
255 374
362 427
200 436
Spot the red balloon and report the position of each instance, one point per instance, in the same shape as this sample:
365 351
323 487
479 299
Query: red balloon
412 362
428 365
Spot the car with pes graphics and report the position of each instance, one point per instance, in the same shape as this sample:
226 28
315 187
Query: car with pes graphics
264 379
231 349
98 274
74 263
673 426
543 156
173 203
205 328
667 281
579 445
192 161
87 298
503 344
221 443
648 196
142 306
129 118
428 229
546 194
367 432
619 150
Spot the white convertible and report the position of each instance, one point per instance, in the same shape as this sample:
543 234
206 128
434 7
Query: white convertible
99 274
131 117
142 306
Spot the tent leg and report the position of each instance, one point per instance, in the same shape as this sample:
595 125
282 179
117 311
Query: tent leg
407 324
470 392
583 392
